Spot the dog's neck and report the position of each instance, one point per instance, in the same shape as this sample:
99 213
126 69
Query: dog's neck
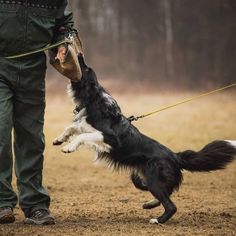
88 93
77 109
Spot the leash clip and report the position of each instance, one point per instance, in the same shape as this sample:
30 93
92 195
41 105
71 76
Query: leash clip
133 118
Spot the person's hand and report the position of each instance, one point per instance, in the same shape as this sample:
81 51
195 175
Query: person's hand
61 53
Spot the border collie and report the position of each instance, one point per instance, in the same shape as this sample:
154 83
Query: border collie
99 123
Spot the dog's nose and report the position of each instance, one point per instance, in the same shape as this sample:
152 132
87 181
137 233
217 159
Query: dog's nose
82 61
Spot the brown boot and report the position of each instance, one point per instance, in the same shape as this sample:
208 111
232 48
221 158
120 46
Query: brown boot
6 215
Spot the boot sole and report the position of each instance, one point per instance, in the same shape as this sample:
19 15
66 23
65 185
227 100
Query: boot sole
48 221
7 219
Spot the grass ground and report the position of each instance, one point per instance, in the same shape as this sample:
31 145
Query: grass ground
89 199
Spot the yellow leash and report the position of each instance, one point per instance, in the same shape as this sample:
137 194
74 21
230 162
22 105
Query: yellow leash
135 118
131 118
50 46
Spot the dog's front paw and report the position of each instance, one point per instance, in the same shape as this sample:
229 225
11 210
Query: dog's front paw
57 142
68 149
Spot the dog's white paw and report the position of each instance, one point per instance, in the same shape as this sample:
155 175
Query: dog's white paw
154 221
68 149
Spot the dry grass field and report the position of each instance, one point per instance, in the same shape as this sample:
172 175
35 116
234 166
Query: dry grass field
90 199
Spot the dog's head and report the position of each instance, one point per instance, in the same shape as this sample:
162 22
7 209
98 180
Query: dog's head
87 72
84 91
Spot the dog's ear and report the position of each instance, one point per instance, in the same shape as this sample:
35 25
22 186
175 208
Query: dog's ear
81 60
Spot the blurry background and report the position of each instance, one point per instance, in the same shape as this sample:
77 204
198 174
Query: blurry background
159 43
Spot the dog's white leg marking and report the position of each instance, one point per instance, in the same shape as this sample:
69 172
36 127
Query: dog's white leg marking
69 131
231 142
95 137
154 221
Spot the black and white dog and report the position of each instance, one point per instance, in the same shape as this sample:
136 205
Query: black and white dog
100 124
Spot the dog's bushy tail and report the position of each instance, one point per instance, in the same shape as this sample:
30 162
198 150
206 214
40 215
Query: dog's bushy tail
214 156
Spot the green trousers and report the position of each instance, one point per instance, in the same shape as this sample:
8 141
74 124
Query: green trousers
22 105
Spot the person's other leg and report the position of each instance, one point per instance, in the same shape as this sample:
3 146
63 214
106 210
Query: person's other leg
29 137
8 198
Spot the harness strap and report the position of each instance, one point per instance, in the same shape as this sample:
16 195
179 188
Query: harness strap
135 118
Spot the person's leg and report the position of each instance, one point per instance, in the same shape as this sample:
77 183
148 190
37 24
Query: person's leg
7 196
29 144
29 147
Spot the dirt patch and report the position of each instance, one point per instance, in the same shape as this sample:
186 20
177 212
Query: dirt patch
89 199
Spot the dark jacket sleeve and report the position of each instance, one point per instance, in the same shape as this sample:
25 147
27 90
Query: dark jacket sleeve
64 21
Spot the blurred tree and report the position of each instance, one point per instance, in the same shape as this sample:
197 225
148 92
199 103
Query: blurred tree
169 39
181 43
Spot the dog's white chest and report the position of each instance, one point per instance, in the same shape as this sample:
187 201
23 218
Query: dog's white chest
82 133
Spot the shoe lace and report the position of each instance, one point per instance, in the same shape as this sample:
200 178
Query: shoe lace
39 213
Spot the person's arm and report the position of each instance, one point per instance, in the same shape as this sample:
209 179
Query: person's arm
64 23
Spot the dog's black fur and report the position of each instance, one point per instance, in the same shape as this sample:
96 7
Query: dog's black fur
155 168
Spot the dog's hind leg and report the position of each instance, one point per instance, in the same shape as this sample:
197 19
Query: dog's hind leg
158 191
168 205
160 188
151 204
138 181
69 131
